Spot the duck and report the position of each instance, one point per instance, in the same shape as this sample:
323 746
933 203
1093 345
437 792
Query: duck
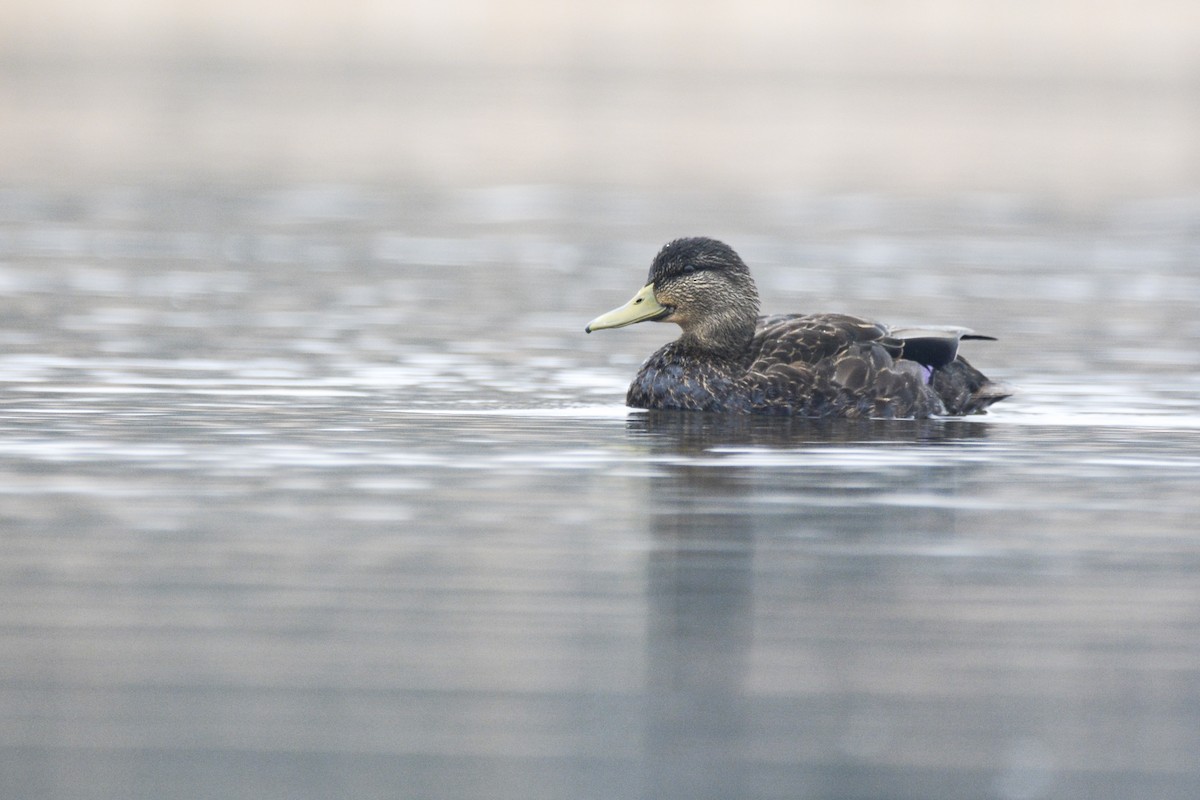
730 359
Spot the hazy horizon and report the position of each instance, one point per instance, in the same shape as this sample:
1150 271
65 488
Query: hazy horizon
1076 103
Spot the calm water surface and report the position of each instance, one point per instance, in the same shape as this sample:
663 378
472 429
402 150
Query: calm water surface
322 492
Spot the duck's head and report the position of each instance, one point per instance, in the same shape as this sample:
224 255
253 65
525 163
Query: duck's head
702 286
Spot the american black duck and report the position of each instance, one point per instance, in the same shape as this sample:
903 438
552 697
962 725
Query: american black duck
730 359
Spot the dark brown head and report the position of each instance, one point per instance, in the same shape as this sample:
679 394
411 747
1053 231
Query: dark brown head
702 286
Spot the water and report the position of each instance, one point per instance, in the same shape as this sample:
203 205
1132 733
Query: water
323 492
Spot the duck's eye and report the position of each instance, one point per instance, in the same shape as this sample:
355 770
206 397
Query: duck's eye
688 269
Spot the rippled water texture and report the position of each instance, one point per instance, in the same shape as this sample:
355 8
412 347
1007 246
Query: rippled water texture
324 493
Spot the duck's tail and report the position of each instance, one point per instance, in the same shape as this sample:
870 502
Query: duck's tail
966 390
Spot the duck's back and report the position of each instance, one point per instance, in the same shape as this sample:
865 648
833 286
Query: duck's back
811 338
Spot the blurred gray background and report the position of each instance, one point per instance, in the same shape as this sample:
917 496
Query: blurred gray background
1076 101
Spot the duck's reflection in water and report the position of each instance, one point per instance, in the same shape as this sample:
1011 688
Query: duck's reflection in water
690 433
700 629
701 727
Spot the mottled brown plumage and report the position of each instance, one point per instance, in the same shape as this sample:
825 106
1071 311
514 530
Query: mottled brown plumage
730 359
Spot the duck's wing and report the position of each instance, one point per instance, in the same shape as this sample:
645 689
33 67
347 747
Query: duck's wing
838 365
834 365
933 345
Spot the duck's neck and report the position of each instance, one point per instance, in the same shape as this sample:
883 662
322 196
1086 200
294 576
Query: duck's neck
721 336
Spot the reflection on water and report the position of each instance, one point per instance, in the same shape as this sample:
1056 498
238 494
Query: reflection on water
296 504
698 433
700 607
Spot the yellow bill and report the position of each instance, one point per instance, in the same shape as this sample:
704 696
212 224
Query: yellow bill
642 307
